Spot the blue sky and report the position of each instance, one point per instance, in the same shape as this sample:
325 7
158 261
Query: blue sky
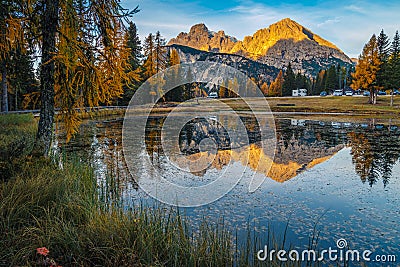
348 24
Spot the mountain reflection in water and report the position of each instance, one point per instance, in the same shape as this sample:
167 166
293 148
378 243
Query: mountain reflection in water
301 145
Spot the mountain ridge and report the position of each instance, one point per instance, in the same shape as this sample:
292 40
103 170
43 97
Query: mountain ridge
201 38
283 42
246 65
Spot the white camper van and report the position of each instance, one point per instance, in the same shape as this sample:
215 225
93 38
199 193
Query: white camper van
299 92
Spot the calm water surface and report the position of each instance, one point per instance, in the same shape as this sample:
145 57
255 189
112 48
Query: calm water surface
342 177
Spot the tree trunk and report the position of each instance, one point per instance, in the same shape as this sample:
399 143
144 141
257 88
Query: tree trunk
374 97
4 106
391 98
371 96
49 30
16 98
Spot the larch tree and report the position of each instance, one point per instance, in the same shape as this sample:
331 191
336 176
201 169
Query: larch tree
177 94
367 68
11 36
149 68
21 75
156 60
264 88
174 58
320 82
275 89
84 60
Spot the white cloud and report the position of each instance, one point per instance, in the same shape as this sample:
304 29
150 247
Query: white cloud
355 8
329 22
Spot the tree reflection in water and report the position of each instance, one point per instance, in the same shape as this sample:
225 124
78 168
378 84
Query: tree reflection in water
374 154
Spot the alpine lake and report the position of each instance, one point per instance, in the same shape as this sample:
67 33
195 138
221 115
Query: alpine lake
331 177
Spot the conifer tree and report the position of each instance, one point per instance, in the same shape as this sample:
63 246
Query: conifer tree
382 75
134 44
22 79
331 82
394 65
160 57
174 58
289 83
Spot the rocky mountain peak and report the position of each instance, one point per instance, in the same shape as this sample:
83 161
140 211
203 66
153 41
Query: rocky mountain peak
283 42
263 40
200 37
199 29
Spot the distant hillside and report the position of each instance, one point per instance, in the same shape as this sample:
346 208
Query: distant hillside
282 42
248 66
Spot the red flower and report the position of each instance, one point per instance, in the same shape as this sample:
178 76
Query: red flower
42 251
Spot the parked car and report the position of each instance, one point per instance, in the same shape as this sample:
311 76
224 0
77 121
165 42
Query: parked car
323 93
336 125
366 93
349 93
338 93
381 93
213 95
396 92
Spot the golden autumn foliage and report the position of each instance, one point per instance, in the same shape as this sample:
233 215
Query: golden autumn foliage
11 35
90 69
367 68
174 58
275 89
11 40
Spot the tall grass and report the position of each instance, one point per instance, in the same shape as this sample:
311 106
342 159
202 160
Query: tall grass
17 136
59 209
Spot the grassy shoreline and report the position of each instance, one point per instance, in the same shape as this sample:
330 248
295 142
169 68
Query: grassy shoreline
356 105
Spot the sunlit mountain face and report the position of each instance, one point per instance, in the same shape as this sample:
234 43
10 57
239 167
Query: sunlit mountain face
283 42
